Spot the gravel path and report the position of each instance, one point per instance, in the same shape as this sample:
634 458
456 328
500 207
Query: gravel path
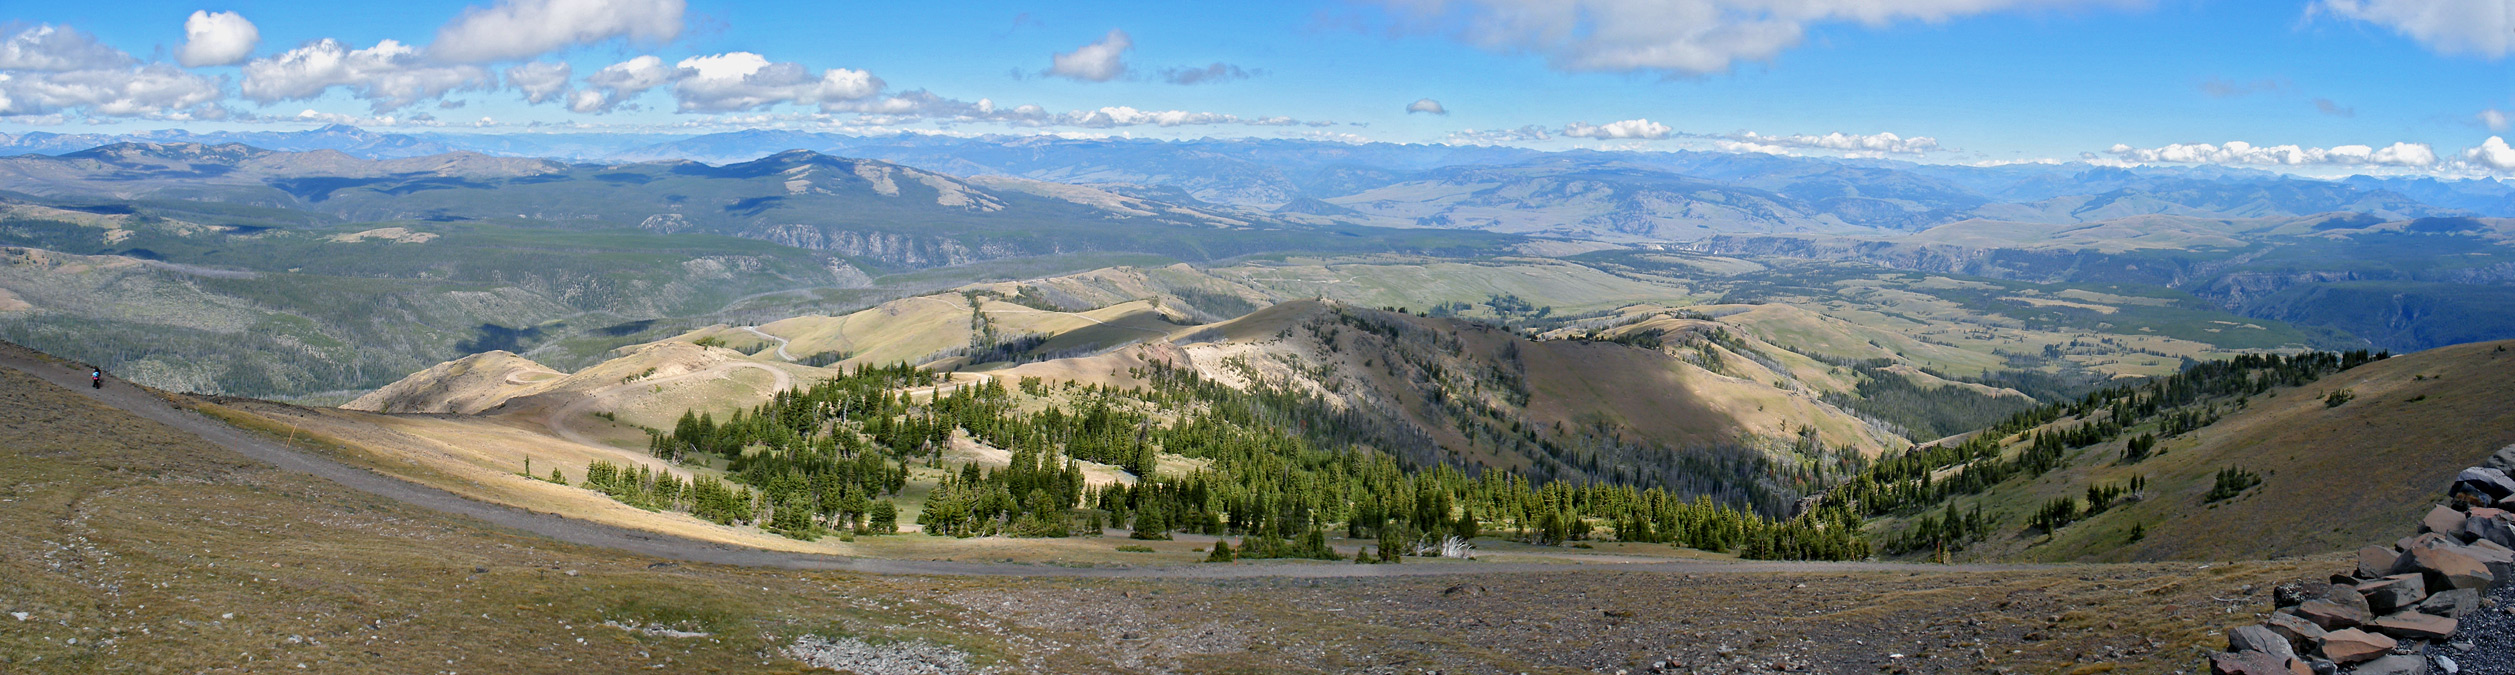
2484 641
141 403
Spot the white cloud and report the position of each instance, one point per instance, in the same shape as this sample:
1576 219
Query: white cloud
389 76
1673 36
1872 143
738 81
1526 134
615 84
319 117
1095 62
216 39
1425 105
1213 73
523 29
2493 118
2407 155
540 80
48 69
2491 155
56 49
2484 28
1636 128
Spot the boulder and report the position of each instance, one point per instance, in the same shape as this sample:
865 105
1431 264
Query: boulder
2482 486
2413 625
2259 639
2442 519
2446 566
2256 663
2376 561
2397 664
2350 645
2500 559
2390 594
2302 634
2503 461
2496 528
2451 604
2332 616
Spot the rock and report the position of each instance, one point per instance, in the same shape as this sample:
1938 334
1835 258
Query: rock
2414 625
2256 663
2390 594
2297 592
2497 528
2503 461
2323 666
2447 664
2482 486
2334 616
2302 634
2442 519
2451 604
2445 565
2350 645
2398 664
2500 559
2376 561
2259 639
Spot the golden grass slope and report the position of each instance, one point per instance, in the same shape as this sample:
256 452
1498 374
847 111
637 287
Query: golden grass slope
2334 478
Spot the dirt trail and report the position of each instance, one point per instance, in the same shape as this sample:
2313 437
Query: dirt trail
781 342
129 398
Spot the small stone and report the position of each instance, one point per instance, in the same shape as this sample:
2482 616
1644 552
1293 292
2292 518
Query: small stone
2248 663
2376 561
2453 604
2350 645
2386 595
2398 664
2448 665
2260 639
21 616
2497 527
2415 626
2302 634
2442 519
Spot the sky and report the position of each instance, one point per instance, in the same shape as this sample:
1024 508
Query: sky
2317 87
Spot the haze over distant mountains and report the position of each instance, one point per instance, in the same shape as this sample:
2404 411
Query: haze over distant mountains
1614 196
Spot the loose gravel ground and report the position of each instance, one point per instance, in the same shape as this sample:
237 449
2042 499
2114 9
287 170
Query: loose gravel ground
2484 641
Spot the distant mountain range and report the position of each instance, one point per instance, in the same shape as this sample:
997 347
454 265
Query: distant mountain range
1612 196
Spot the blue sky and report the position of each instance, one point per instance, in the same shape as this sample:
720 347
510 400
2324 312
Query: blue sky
2354 85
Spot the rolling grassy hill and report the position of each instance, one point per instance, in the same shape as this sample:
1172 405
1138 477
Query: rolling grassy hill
2336 472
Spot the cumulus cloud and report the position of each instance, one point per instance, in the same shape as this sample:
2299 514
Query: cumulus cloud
2492 118
2491 155
1096 62
523 29
615 84
2483 28
738 81
1627 129
1428 106
390 75
1671 36
1214 73
2406 155
50 69
540 80
50 48
216 39
1884 143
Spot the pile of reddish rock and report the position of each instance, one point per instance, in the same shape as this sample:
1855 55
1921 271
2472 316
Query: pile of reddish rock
2378 618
